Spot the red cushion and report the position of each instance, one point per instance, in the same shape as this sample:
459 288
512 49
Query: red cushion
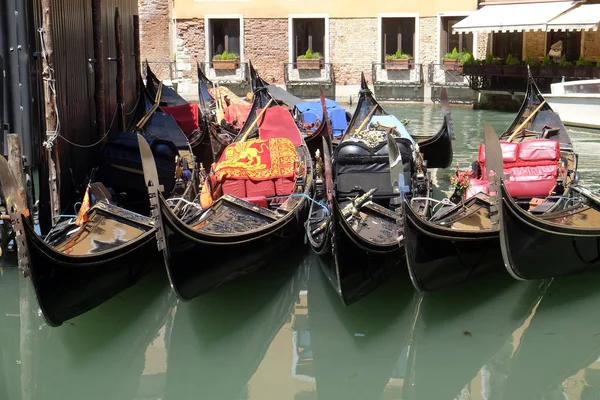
234 187
540 188
260 188
260 201
509 152
284 186
532 173
278 122
539 150
477 185
185 115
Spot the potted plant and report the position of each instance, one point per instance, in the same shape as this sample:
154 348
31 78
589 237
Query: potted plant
310 60
399 61
597 69
565 68
226 61
513 66
583 68
547 68
453 61
493 66
534 65
470 65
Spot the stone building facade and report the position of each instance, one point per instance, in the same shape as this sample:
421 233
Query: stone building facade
354 38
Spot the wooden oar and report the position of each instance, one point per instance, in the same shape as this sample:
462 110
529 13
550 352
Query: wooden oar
368 117
516 131
253 124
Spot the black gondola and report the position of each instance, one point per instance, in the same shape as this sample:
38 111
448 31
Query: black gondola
529 244
81 264
356 223
460 242
238 223
436 150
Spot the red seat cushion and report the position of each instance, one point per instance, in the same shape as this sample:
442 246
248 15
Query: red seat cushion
185 115
277 122
260 188
234 187
284 186
532 167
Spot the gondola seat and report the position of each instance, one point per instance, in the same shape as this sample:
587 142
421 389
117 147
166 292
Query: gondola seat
258 168
359 168
186 116
532 167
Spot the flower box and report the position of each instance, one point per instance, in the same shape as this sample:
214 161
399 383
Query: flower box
400 64
226 64
452 65
515 70
584 72
309 63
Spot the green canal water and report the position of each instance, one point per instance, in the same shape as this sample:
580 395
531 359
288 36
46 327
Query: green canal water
283 334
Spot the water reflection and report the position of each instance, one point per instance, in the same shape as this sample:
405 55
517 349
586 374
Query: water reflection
218 340
462 338
359 351
100 355
560 352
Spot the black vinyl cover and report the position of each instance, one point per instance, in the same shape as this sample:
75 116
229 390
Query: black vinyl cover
121 165
359 167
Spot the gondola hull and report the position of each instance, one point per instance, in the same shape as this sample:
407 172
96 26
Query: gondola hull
198 263
354 266
534 248
438 258
437 150
67 286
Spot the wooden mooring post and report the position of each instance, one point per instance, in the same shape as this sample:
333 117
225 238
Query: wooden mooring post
50 108
137 54
98 68
120 71
26 314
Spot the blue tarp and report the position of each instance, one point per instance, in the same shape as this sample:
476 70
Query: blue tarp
311 110
390 120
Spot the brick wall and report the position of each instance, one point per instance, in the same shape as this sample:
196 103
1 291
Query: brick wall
155 38
353 47
428 34
266 46
591 45
190 46
535 45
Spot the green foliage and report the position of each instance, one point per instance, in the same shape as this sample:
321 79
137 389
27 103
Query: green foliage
489 59
469 59
546 61
397 56
531 62
309 55
510 60
564 63
455 55
581 62
225 56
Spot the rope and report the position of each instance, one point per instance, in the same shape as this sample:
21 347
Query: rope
319 203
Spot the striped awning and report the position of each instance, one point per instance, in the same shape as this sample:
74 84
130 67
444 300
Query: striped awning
513 17
581 18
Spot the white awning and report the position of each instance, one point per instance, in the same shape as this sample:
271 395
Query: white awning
584 17
512 17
